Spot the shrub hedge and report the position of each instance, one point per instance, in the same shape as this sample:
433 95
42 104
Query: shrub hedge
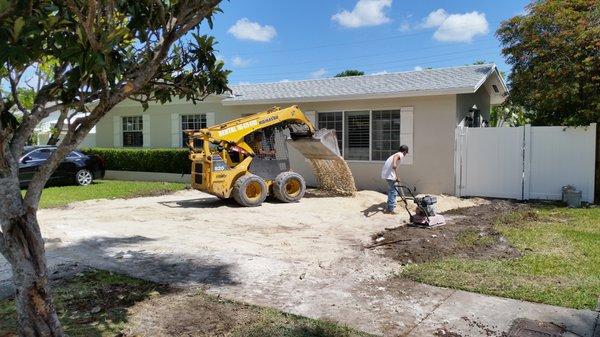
145 160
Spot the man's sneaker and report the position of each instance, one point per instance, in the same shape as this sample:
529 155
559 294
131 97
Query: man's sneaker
390 212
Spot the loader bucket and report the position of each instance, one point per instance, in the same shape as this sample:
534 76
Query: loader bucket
323 145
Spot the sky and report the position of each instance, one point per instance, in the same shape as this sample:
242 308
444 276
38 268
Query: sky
275 40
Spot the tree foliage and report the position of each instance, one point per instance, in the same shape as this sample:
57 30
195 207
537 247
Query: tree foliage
554 51
507 115
84 56
350 72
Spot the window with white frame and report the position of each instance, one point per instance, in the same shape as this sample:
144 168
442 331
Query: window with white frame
191 123
133 131
370 134
356 135
385 133
332 121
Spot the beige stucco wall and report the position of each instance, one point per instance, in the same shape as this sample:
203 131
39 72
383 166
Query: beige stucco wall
435 118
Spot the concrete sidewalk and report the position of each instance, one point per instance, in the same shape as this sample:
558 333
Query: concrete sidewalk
378 305
314 266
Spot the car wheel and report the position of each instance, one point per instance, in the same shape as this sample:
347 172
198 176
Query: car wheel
84 177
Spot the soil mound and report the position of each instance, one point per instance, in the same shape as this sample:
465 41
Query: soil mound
334 176
469 233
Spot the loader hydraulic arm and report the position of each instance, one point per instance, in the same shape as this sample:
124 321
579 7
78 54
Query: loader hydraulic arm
233 132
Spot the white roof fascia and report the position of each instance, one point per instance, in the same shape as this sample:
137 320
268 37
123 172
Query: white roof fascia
494 70
419 93
177 101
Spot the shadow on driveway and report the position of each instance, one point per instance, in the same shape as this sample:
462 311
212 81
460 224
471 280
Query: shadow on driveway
125 255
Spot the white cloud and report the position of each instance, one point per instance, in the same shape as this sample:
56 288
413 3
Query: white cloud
245 29
456 27
365 13
418 68
404 27
318 73
240 62
380 72
435 18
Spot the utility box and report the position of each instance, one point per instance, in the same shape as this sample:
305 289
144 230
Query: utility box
572 197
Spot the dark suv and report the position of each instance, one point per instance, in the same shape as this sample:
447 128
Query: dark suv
76 167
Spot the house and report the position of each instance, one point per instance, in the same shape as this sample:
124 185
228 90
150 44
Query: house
373 115
45 128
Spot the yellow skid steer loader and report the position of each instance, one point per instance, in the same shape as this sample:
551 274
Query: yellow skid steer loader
247 158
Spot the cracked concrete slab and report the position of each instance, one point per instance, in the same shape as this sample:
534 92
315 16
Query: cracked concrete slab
493 316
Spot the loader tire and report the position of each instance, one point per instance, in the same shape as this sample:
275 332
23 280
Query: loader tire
289 187
249 190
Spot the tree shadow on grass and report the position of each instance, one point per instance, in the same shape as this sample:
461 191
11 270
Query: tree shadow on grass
94 303
90 303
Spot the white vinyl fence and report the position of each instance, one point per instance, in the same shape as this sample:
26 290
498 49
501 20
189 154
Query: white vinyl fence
525 162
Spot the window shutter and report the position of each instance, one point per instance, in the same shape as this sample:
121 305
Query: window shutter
406 133
146 130
175 130
210 119
117 131
312 117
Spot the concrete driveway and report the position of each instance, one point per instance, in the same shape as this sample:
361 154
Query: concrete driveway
307 258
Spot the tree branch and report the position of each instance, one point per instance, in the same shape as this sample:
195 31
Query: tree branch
176 28
172 33
75 135
14 90
86 23
38 112
56 130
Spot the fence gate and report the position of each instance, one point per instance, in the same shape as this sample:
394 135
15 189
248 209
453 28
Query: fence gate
525 162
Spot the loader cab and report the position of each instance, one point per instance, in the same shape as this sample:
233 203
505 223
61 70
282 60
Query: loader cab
262 143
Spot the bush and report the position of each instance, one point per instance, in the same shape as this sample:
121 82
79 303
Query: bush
145 160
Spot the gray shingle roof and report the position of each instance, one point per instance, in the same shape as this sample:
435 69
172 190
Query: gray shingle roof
446 80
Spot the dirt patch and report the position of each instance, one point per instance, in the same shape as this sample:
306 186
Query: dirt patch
193 313
469 233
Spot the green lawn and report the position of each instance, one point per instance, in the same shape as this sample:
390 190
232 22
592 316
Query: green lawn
560 262
103 304
104 189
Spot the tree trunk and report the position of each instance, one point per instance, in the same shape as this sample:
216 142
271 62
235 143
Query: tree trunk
57 129
23 247
597 194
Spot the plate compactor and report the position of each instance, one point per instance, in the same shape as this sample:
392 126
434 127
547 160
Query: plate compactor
425 216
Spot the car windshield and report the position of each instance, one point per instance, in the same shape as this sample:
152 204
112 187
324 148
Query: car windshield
27 149
74 154
40 154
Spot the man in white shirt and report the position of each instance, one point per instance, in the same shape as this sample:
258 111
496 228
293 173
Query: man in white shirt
388 172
